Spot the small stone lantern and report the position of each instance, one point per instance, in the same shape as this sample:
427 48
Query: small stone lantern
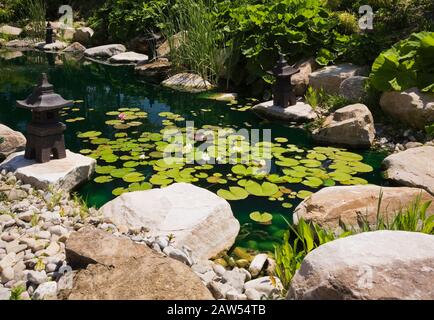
49 33
45 132
152 40
283 94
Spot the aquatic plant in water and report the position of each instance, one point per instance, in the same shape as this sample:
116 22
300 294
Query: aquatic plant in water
215 157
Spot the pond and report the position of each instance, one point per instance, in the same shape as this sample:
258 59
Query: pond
120 119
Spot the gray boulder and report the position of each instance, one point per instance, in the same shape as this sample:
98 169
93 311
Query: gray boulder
83 35
105 51
413 167
368 266
10 31
12 141
129 57
353 88
330 78
300 112
411 107
351 126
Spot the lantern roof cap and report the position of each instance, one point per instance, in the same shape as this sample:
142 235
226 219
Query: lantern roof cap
283 69
43 97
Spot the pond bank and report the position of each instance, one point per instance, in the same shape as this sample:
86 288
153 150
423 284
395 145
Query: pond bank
35 250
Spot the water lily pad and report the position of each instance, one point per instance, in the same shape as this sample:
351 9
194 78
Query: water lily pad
265 189
120 173
103 179
104 169
131 164
234 193
157 179
329 183
89 134
133 177
361 167
312 182
262 218
118 191
139 186
303 194
339 176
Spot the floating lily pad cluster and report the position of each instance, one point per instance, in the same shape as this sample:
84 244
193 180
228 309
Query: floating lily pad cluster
70 112
215 157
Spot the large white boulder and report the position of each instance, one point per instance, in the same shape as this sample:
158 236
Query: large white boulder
413 167
196 217
129 57
368 266
187 82
350 126
300 112
351 205
330 78
12 141
105 51
65 173
411 107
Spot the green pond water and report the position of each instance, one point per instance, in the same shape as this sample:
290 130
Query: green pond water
137 111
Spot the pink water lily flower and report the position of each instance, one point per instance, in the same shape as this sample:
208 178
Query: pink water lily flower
122 116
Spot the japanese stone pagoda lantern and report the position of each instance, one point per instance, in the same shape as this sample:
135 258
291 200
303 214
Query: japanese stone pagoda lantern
49 32
283 95
45 132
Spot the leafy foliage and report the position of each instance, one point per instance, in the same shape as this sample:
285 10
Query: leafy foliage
122 20
407 64
259 29
16 292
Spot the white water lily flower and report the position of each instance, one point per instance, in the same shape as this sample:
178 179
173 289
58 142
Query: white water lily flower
237 149
188 148
142 157
206 157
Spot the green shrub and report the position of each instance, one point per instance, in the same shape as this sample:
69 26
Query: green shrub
258 30
407 64
121 20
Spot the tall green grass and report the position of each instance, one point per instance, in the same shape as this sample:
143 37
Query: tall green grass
305 237
196 44
36 10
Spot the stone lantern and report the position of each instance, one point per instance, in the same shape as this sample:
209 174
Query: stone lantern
152 40
45 132
49 32
283 95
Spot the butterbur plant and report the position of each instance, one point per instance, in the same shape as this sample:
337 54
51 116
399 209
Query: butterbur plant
406 65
